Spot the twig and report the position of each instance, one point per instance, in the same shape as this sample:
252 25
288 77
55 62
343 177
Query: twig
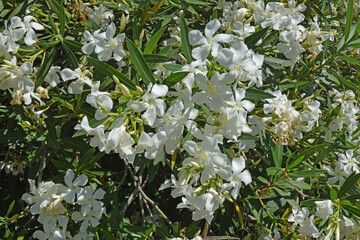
154 205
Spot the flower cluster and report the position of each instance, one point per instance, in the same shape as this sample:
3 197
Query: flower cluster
246 107
59 206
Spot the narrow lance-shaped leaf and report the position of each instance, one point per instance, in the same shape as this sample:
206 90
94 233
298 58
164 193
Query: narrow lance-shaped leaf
184 34
175 78
152 43
45 68
139 63
251 40
110 71
155 58
349 183
349 18
70 56
62 20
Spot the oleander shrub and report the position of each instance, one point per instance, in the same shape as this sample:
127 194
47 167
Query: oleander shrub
179 119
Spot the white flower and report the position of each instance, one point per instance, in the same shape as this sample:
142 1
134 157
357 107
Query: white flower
350 162
100 16
52 76
74 185
324 209
99 139
77 86
236 175
207 155
215 92
121 142
209 42
28 27
337 174
152 103
89 199
109 45
99 100
238 58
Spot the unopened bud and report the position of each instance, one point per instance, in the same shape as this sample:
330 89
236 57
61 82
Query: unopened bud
125 91
195 164
122 23
139 90
141 35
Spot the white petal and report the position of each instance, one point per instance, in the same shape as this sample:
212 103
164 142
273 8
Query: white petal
81 180
99 194
30 38
201 52
76 87
159 90
110 31
36 26
196 38
137 106
224 38
68 74
88 48
69 177
238 164
150 115
105 55
245 177
211 28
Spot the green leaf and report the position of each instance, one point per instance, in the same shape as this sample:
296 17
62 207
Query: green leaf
247 136
155 58
184 34
10 208
108 235
325 153
88 160
110 71
306 154
175 78
286 183
277 154
62 164
62 20
52 25
353 197
139 63
346 82
333 195
73 44
45 68
70 56
309 173
349 59
294 85
351 209
152 43
349 18
349 183
256 94
55 6
272 171
251 40
192 229
19 10
198 2
172 67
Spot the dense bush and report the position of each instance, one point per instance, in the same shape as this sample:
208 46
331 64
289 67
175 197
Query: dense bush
179 119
